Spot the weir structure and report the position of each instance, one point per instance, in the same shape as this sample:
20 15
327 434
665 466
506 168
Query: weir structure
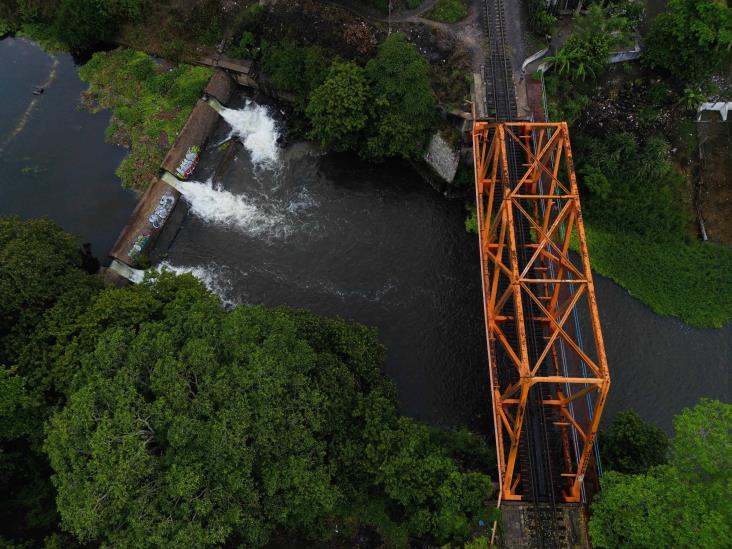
548 385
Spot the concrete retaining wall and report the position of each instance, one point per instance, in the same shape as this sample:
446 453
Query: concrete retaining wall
158 202
140 233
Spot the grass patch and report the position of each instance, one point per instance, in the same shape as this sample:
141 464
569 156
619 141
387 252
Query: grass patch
688 280
449 11
150 105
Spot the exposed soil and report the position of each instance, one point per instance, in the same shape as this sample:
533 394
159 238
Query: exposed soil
715 185
622 103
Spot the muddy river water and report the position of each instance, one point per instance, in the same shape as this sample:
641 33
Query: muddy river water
294 226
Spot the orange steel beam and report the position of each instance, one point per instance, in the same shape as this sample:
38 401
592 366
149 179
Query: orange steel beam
546 289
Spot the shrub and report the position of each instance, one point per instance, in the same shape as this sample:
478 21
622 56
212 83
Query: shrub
449 11
149 105
690 38
631 445
541 22
338 107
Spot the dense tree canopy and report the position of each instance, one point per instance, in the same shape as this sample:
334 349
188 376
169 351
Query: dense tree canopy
630 445
338 108
77 24
684 504
176 423
193 426
385 110
690 38
42 286
404 106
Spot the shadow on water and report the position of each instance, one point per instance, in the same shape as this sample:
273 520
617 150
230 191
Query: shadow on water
53 158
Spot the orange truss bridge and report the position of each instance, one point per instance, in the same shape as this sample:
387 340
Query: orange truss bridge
549 386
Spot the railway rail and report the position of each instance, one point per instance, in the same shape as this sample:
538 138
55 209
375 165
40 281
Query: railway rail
551 464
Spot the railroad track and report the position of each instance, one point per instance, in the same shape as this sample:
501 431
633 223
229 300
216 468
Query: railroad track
540 477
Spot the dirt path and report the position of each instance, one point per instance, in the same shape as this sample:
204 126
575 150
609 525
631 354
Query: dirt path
468 32
406 16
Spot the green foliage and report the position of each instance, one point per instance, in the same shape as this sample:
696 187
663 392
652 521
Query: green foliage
6 27
77 24
682 504
39 264
630 445
385 110
337 108
191 426
689 280
541 22
41 281
150 106
690 38
449 11
582 57
633 188
83 23
178 423
404 106
616 30
296 69
204 22
471 221
246 48
638 232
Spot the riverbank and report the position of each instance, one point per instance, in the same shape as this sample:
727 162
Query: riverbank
637 159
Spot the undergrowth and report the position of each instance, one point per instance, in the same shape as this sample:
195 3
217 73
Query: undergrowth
449 11
150 105
688 280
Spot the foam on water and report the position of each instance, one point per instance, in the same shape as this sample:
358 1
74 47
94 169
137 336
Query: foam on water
212 276
257 131
213 204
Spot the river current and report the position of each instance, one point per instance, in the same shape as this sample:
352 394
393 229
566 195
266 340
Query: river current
372 243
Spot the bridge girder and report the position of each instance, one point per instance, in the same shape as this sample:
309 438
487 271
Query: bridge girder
553 283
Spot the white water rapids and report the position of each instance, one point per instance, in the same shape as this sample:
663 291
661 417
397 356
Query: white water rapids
213 204
257 131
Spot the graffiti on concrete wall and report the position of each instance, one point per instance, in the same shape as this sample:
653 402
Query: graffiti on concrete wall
189 163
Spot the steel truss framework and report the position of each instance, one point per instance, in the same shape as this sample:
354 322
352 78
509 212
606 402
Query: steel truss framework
552 283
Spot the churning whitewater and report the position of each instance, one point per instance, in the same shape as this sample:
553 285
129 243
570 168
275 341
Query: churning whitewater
257 131
213 204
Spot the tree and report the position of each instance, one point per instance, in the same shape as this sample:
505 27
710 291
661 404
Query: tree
40 269
631 445
42 286
616 30
682 504
404 107
188 425
338 107
690 38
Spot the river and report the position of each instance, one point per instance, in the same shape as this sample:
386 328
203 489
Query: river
53 158
366 242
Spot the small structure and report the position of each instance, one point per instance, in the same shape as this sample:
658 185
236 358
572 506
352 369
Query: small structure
721 107
242 69
442 158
